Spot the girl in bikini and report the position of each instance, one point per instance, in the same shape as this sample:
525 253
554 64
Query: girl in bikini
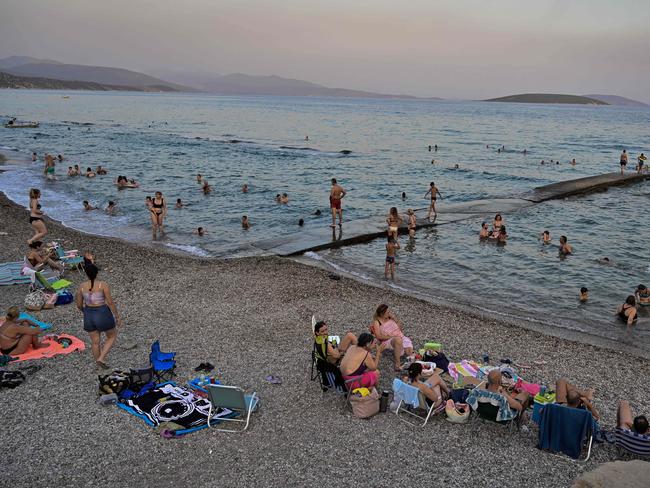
36 216
158 212
16 336
394 221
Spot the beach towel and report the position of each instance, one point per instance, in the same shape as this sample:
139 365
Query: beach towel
168 402
42 325
480 395
464 368
56 344
564 429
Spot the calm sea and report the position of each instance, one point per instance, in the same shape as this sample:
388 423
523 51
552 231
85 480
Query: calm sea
164 140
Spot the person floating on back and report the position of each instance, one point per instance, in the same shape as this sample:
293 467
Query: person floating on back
336 195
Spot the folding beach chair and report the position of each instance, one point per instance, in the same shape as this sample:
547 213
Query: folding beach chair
637 444
232 398
70 259
162 363
487 405
567 430
414 403
51 284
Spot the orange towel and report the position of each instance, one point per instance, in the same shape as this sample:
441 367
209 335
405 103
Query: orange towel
53 348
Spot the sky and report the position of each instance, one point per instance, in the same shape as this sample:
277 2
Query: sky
447 48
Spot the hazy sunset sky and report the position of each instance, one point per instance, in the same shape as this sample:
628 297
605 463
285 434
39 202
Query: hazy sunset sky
446 48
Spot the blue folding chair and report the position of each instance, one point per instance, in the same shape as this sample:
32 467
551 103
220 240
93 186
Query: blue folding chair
162 363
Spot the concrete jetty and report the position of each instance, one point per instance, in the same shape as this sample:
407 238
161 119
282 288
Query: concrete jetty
364 230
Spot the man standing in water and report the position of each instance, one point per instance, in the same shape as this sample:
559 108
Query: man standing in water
336 195
623 160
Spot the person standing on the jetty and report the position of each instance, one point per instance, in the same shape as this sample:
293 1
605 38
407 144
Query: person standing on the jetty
394 220
623 161
336 195
94 299
434 192
158 213
36 216
641 161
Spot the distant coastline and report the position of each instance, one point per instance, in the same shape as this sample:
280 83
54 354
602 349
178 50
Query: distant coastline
548 98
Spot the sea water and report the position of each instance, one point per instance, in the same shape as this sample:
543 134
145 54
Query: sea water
377 149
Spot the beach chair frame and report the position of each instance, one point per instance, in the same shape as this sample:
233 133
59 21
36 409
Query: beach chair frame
631 443
421 413
233 398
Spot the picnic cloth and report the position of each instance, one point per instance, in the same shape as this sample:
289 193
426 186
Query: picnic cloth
56 344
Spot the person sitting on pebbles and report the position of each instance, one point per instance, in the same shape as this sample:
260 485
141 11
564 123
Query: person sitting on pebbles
16 336
387 328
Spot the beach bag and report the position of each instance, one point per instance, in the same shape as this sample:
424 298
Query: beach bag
64 297
457 413
437 357
115 382
364 407
459 395
35 300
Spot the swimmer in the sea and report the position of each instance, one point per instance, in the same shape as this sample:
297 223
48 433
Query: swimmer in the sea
497 223
206 187
435 147
34 157
565 247
412 222
111 208
433 192
628 312
525 152
71 171
573 162
179 203
278 198
244 188
546 237
245 224
284 198
584 294
403 195
200 231
318 212
502 236
391 246
90 173
101 171
456 166
484 233
642 295
148 202
60 158
433 161
77 170
199 178
541 162
88 206
301 222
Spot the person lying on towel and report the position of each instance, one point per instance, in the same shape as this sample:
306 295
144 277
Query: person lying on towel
16 336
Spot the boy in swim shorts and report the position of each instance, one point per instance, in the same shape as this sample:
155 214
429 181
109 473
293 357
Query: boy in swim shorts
391 246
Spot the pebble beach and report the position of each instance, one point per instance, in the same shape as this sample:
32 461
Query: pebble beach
251 318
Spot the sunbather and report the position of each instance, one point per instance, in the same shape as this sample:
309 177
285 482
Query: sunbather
359 362
333 353
387 328
519 402
625 421
37 257
434 389
569 395
17 335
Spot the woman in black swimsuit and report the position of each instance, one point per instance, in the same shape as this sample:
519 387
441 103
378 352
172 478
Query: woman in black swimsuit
16 337
36 216
158 212
627 312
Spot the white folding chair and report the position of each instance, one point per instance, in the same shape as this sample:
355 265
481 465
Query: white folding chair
232 398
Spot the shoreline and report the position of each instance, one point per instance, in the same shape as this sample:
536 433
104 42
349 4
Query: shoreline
250 317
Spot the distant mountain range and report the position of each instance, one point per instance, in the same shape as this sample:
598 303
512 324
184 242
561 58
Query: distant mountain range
17 82
548 98
29 72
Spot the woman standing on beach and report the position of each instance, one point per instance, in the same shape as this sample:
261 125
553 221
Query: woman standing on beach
36 216
94 299
158 212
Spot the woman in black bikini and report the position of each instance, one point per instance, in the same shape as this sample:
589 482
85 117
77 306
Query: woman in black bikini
627 312
158 212
16 337
36 216
37 258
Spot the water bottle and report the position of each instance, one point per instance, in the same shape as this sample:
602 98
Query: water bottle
383 401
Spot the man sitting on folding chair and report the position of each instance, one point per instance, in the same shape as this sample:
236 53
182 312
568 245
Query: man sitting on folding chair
510 406
638 424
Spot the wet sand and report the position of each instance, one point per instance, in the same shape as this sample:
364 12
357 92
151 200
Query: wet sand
251 318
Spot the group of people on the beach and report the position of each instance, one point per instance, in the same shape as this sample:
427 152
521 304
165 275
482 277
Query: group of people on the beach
358 358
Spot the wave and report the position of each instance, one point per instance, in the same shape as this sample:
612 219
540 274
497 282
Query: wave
318 257
194 250
74 122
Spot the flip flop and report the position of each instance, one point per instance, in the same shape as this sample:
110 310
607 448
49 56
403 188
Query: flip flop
274 380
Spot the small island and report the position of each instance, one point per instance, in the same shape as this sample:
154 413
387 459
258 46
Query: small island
548 98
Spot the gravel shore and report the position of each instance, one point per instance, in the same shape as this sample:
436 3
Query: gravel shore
251 318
